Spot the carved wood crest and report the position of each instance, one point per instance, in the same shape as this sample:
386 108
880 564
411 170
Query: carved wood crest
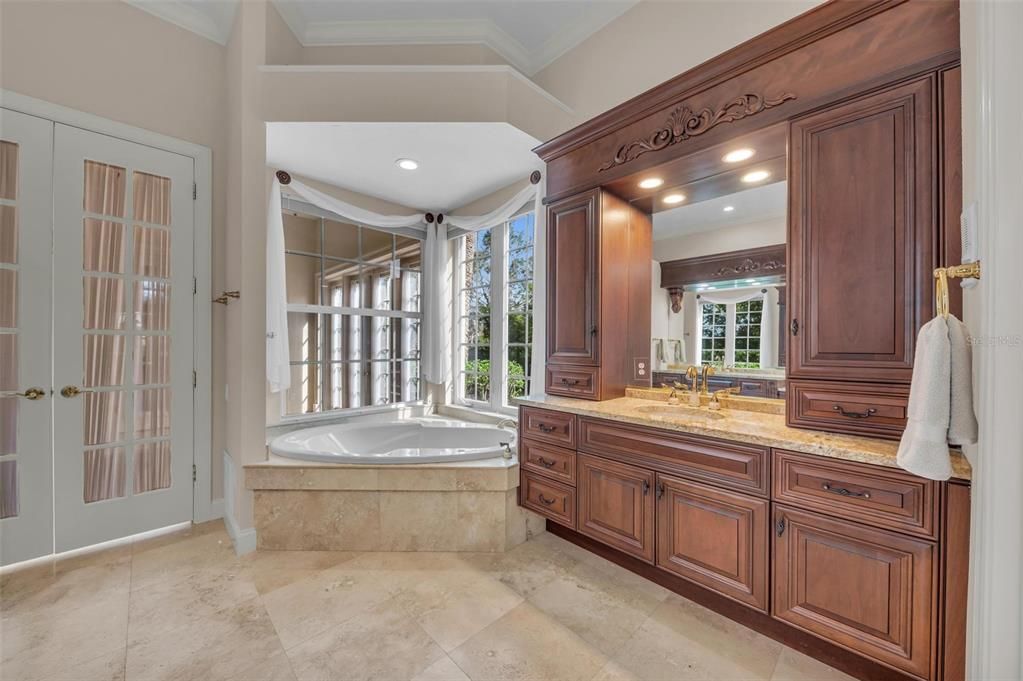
684 123
749 265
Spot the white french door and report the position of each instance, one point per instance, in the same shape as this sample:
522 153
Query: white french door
26 463
122 348
96 312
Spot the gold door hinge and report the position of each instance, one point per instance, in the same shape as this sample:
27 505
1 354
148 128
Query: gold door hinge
195 473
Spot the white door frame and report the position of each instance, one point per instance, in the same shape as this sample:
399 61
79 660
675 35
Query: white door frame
202 507
992 58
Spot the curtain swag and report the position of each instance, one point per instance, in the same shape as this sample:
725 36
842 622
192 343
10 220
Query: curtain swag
434 351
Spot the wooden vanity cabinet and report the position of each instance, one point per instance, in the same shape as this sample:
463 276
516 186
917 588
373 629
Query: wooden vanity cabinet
616 505
715 538
598 295
862 234
869 590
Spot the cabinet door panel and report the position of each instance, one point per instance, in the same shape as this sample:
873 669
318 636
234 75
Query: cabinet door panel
715 538
573 280
861 234
868 590
616 505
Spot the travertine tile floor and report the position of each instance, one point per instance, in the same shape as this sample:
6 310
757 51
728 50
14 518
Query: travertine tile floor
183 607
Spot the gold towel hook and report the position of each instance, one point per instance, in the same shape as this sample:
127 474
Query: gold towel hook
970 270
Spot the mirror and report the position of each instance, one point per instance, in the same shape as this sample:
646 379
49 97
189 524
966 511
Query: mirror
718 293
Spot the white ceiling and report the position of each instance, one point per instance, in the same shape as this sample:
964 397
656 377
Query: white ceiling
458 162
529 34
752 205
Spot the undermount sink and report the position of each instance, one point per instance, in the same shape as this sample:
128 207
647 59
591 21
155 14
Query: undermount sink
681 413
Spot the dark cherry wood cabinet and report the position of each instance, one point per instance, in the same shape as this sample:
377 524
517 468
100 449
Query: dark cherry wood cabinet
869 590
598 295
573 248
616 505
861 234
713 537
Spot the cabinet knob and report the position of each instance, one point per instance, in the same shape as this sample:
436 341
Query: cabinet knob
779 527
593 330
794 327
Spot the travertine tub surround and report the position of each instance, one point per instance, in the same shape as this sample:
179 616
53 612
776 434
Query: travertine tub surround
469 506
741 425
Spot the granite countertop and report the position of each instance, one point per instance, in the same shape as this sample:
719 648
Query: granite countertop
743 426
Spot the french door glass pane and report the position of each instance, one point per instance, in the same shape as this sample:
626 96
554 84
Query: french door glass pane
152 466
152 305
104 474
104 301
9 235
104 189
151 360
103 246
8 425
152 412
102 360
8 299
8 170
152 252
151 198
8 489
8 361
104 417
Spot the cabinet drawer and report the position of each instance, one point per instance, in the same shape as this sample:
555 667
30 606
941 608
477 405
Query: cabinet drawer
715 538
548 498
728 464
870 591
579 382
873 495
554 462
856 408
753 387
545 425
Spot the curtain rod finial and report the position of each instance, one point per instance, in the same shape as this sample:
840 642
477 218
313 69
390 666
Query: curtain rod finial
534 177
283 177
440 218
429 218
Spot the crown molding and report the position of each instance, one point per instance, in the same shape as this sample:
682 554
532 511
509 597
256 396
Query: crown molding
449 32
215 25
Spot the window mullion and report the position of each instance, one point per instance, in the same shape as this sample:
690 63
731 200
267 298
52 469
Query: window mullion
498 315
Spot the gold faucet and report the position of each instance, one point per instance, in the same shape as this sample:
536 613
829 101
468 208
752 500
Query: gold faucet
693 374
708 370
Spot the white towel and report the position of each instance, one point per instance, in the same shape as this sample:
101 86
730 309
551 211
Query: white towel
924 446
962 427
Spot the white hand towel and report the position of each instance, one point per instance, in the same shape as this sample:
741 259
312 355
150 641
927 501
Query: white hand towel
962 427
924 446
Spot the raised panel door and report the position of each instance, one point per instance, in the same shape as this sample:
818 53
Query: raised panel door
616 505
861 234
573 296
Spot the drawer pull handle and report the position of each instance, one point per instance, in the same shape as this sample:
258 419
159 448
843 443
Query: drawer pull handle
544 462
545 501
855 414
544 428
574 381
842 491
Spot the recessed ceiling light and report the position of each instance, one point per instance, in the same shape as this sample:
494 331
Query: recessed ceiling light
674 198
738 155
728 209
756 176
651 183
406 164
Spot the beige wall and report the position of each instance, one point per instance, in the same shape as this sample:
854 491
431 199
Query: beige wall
110 59
652 42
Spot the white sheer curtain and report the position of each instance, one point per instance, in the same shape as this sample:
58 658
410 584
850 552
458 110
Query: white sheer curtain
436 366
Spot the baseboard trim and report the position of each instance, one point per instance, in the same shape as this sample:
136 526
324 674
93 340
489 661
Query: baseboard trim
244 540
828 653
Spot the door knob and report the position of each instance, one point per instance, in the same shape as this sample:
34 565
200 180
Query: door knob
73 391
30 394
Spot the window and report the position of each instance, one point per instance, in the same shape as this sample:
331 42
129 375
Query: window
353 315
495 310
730 334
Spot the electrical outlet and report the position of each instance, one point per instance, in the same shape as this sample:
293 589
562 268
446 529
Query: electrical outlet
641 369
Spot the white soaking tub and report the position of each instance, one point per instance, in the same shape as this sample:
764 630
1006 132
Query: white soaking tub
396 442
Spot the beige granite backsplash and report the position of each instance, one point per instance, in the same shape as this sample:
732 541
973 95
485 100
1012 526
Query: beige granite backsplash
741 425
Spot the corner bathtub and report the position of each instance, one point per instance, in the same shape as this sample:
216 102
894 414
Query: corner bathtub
396 442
